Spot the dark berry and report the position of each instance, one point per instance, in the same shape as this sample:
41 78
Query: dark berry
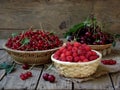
25 66
51 78
45 76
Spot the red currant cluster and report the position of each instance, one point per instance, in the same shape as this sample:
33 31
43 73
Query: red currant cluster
75 52
109 62
33 40
26 75
48 77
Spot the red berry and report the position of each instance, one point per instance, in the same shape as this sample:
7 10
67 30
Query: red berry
68 53
85 60
29 74
69 58
25 66
109 62
76 44
93 57
51 78
76 59
45 76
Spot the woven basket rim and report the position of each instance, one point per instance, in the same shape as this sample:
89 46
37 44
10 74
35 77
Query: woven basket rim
19 51
101 45
74 63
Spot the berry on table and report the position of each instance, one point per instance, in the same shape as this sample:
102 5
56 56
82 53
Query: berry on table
45 76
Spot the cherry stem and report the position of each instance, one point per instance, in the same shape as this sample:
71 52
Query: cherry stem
31 67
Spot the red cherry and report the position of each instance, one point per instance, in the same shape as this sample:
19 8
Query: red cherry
45 76
51 78
25 66
29 74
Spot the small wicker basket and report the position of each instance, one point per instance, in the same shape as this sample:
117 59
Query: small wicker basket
30 57
103 49
77 69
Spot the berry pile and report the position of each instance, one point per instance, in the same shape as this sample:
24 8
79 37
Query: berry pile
109 62
48 77
26 75
33 40
75 52
89 32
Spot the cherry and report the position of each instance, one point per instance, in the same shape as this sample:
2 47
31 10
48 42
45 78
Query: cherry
36 40
45 76
88 34
29 74
109 62
51 78
25 66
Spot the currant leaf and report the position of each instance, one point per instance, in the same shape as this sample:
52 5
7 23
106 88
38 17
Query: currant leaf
25 41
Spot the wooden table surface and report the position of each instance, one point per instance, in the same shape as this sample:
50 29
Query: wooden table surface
12 80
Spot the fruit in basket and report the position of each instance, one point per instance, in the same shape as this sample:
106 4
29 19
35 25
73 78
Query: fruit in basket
76 60
33 40
89 32
32 47
75 52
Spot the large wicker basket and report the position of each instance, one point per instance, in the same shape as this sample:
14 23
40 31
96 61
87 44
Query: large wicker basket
103 49
30 57
77 69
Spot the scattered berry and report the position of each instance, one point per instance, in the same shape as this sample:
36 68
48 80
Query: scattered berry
26 75
25 66
109 62
45 76
51 78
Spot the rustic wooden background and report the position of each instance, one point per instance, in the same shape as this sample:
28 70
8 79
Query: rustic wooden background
56 15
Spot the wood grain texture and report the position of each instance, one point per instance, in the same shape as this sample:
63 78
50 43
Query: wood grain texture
13 81
58 84
95 84
51 13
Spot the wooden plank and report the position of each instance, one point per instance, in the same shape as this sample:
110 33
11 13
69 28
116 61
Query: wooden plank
58 84
116 80
2 41
4 56
102 83
13 81
116 76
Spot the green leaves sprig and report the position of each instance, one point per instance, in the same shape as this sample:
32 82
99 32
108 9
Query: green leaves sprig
9 67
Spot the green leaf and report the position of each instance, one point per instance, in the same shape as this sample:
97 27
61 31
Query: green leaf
10 69
4 65
14 34
117 36
25 41
7 66
74 29
114 43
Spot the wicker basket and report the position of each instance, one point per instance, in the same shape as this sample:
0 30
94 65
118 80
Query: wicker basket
30 57
103 49
77 70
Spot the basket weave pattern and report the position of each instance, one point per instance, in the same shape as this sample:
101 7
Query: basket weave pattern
31 57
77 69
103 49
